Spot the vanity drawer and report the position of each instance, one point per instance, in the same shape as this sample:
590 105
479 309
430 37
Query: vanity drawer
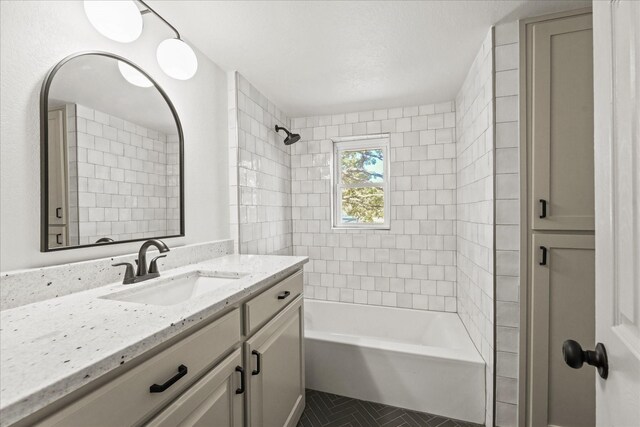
261 308
127 400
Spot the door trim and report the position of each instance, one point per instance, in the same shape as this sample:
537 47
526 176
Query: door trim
525 223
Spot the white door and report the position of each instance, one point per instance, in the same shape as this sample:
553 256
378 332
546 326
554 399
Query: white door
616 28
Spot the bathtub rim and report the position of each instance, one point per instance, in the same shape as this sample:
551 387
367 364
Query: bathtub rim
429 352
471 355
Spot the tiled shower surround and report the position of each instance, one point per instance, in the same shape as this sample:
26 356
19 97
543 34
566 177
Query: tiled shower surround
455 213
507 222
260 172
128 179
411 265
475 208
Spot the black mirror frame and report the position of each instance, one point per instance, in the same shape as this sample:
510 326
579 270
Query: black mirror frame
44 153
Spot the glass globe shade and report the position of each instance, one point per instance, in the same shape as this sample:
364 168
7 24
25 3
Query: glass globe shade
118 20
133 76
177 59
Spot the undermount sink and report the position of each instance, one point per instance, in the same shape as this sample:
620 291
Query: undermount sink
176 289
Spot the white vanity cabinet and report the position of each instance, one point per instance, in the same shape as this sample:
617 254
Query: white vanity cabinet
129 400
209 377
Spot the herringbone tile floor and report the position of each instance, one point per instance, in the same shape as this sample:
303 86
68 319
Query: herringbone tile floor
331 410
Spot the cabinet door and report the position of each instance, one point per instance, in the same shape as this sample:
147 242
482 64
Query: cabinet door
561 131
562 307
57 236
57 163
215 400
275 365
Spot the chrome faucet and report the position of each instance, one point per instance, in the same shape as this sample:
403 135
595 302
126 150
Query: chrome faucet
142 273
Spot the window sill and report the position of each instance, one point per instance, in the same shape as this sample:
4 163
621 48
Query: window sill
361 227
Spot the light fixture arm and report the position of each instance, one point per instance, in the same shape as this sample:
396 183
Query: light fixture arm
150 10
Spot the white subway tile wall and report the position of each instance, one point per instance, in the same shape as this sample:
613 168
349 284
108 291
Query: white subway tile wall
260 172
507 80
475 212
128 179
412 265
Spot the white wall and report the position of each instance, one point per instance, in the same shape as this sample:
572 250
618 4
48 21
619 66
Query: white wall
475 208
412 265
35 35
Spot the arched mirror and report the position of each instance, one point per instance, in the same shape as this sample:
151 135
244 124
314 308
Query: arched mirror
111 155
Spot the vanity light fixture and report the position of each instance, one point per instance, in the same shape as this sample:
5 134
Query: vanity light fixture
177 59
118 20
122 21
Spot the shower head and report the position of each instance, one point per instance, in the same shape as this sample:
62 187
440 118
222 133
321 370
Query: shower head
291 138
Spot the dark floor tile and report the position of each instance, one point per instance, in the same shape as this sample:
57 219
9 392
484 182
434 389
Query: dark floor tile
394 422
411 422
444 422
332 410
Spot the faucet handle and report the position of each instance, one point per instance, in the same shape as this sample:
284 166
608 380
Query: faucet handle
129 275
153 267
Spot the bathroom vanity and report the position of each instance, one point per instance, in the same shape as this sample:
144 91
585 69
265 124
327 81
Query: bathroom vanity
144 354
200 337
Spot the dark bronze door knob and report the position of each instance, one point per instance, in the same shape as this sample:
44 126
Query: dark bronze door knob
575 357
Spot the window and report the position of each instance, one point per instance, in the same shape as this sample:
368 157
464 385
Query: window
361 182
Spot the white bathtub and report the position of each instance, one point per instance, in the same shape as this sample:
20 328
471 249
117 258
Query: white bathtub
412 359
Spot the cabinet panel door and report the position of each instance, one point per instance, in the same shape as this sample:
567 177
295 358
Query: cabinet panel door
57 163
561 88
276 393
57 236
562 307
212 401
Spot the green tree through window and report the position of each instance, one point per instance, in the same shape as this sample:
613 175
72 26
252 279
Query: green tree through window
365 204
361 202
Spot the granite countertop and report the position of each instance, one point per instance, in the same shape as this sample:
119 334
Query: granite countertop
53 347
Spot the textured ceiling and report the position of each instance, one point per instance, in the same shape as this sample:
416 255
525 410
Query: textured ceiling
316 57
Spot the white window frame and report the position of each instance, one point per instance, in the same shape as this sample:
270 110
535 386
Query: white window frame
355 143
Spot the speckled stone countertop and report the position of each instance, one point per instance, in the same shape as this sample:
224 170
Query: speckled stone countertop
53 347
